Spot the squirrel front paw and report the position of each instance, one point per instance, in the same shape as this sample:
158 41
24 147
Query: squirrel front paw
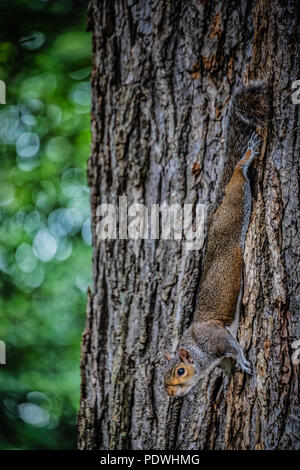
245 365
242 362
239 357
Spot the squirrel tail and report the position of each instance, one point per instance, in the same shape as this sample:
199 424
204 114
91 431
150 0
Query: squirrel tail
249 109
252 104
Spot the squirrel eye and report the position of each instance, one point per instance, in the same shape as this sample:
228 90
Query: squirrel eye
181 371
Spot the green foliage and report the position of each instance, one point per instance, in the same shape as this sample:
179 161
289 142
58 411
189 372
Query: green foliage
45 252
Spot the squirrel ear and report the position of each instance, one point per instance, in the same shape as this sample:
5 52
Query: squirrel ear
167 355
185 356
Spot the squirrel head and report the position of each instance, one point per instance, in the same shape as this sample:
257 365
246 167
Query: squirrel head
180 374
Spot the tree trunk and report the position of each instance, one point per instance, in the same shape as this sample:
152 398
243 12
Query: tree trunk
163 73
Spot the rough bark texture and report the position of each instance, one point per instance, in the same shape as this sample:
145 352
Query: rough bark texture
162 77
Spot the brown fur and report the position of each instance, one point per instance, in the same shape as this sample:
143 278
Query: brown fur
221 280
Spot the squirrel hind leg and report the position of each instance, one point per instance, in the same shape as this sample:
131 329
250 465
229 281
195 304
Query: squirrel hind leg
253 149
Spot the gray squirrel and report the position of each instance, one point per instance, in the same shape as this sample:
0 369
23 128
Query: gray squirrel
208 341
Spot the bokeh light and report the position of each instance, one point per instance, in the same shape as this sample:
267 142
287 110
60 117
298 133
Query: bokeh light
45 235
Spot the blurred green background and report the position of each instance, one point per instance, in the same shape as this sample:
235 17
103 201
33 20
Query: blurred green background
45 239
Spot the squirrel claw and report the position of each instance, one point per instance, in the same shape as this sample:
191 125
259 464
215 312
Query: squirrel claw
254 143
248 370
246 366
243 364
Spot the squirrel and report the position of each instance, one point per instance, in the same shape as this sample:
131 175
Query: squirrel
211 337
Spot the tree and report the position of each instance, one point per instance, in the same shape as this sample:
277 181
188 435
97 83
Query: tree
163 73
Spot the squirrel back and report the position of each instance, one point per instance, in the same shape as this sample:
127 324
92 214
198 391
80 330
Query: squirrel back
207 341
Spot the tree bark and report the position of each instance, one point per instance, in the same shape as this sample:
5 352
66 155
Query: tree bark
163 73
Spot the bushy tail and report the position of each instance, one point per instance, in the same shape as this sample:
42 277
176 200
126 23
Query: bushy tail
249 109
